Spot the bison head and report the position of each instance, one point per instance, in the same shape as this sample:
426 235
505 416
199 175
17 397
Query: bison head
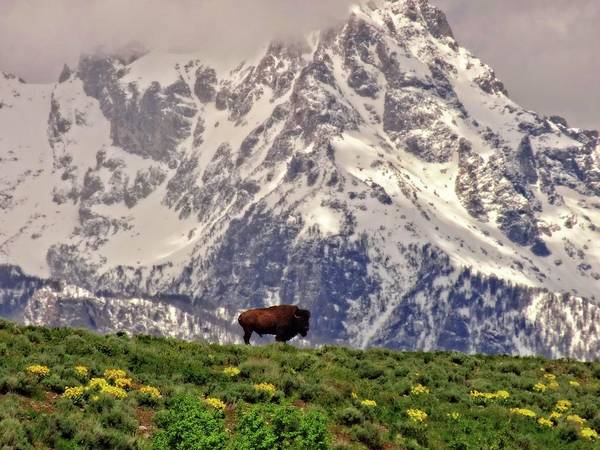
301 318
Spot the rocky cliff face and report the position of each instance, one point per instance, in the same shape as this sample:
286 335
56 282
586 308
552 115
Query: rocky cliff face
377 174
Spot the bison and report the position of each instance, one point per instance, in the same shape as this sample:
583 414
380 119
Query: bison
284 321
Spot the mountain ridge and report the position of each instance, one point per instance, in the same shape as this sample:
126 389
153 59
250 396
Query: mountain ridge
378 175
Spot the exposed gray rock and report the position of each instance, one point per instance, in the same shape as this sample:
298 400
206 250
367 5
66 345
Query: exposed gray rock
144 184
67 263
468 184
357 39
276 70
412 119
92 184
65 74
490 84
435 20
205 86
57 124
152 123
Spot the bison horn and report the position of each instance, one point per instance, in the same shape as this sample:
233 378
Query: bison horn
297 316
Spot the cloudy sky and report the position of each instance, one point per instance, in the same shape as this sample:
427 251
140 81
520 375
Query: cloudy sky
544 50
38 36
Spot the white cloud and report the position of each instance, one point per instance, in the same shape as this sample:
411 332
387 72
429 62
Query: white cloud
38 36
544 51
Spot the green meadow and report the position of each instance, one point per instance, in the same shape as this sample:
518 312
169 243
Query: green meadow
72 389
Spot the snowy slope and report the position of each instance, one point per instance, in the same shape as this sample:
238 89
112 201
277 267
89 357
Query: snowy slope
378 174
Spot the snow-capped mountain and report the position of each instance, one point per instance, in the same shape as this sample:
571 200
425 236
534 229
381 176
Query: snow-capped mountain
378 174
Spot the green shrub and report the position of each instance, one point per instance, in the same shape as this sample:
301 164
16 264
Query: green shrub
189 424
313 432
510 367
259 370
312 387
273 427
309 392
254 432
105 439
350 416
21 345
369 435
401 372
120 417
289 383
369 371
57 383
458 358
303 362
196 374
233 393
21 384
76 345
415 431
13 434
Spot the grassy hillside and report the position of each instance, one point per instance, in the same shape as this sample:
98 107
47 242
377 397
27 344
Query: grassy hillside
69 389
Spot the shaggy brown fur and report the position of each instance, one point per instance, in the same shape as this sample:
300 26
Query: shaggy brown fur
284 321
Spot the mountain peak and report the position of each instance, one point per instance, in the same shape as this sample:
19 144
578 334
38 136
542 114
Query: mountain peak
378 175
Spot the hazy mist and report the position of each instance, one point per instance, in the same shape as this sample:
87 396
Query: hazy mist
544 50
38 36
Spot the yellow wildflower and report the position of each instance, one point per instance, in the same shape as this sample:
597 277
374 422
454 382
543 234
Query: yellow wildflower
266 387
417 415
574 383
124 383
231 371
502 394
545 422
419 389
151 391
554 415
116 392
74 393
454 415
216 403
553 385
98 383
38 370
369 403
550 377
563 405
477 394
539 387
588 433
113 374
82 371
489 395
523 412
574 418
95 398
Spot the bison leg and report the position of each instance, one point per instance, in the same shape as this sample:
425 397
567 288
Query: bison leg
247 334
282 335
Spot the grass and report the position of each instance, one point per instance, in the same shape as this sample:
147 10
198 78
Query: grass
164 393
